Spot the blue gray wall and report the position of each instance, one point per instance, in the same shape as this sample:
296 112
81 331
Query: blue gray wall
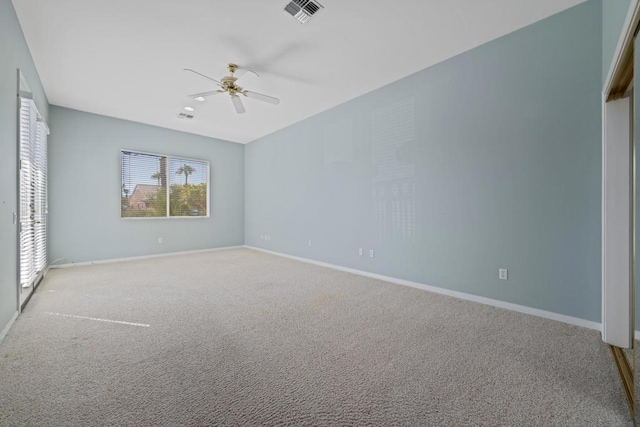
491 159
84 190
14 55
614 13
488 160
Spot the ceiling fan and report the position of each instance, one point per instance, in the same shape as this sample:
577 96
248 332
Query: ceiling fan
229 84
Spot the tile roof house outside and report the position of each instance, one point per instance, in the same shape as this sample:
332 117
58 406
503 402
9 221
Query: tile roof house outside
141 196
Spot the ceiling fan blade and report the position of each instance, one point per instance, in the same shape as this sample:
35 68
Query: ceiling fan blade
245 72
265 71
261 97
237 102
205 94
202 75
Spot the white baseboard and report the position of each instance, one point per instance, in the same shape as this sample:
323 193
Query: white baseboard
136 258
469 297
4 331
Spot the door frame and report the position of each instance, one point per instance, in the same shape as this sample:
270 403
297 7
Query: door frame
618 289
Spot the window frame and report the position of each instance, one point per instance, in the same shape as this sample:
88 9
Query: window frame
168 189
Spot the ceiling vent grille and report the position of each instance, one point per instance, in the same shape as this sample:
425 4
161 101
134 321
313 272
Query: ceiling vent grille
185 116
303 10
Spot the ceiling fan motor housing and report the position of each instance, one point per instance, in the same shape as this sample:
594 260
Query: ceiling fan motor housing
229 84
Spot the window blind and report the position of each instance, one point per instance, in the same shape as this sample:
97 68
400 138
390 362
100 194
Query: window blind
157 186
144 185
33 192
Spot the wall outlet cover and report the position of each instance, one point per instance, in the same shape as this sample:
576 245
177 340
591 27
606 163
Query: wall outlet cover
503 274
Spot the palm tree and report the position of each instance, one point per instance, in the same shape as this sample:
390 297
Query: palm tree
157 176
163 172
186 170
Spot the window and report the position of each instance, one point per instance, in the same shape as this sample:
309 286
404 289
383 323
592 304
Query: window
33 191
159 186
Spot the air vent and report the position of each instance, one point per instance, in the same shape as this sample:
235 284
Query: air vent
185 116
303 10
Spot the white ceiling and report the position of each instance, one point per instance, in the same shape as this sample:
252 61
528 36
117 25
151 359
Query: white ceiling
124 58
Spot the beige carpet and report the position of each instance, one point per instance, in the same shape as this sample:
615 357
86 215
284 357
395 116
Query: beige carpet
244 338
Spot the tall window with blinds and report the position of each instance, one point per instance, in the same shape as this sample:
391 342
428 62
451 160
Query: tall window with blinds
33 193
160 186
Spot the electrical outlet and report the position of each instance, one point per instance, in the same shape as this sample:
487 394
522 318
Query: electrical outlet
268 236
503 274
160 240
309 243
372 253
262 237
360 252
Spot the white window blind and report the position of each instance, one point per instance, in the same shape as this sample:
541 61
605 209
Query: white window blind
144 182
159 186
188 187
33 192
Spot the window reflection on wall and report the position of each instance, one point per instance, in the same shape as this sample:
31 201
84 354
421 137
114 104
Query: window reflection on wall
337 142
393 182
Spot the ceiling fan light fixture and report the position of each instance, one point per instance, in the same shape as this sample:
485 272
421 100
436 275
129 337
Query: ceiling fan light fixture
228 84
